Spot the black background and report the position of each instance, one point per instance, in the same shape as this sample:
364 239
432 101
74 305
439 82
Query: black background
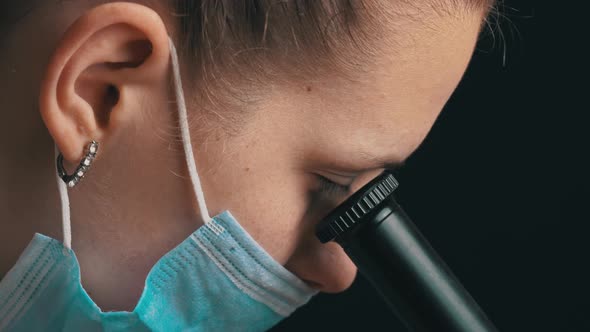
500 187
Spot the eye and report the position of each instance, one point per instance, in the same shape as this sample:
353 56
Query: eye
332 188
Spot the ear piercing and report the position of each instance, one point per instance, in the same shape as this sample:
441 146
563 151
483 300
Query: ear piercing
76 177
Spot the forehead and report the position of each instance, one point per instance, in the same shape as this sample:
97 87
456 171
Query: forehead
388 108
384 110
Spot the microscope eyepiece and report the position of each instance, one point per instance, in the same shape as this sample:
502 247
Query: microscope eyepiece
392 254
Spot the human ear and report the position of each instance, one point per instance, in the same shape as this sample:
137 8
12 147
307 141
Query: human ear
108 62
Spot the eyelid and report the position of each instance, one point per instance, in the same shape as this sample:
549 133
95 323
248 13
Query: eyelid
338 178
330 187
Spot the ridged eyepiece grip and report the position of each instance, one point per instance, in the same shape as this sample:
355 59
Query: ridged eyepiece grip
346 217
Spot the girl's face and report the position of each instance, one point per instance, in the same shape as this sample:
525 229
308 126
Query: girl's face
267 174
346 131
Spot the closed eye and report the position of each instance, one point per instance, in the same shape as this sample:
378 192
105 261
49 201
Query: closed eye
332 188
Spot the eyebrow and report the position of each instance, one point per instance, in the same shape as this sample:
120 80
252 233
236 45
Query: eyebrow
374 161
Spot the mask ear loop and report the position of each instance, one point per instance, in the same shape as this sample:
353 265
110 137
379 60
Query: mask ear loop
186 137
65 206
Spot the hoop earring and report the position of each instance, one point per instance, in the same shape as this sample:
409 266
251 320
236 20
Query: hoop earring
76 177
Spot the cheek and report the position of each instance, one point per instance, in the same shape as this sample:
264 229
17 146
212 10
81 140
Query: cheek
275 219
269 202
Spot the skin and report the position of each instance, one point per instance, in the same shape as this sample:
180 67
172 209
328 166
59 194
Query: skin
137 193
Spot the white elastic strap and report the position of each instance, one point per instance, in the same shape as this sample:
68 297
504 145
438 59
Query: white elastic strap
186 137
65 206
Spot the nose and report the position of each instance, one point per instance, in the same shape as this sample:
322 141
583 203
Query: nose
325 267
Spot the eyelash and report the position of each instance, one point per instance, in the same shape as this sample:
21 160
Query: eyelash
331 188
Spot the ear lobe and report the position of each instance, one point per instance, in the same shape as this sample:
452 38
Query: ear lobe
107 60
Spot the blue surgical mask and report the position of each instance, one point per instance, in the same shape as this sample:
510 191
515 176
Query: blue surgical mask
218 279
